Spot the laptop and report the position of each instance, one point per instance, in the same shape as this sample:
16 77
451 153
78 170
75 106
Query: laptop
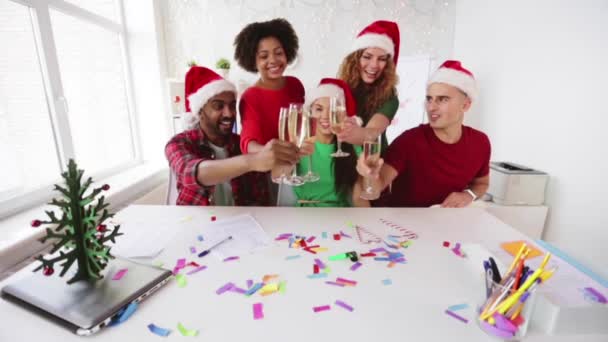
84 308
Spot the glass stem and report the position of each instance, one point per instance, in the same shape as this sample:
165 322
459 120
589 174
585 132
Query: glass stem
309 164
339 145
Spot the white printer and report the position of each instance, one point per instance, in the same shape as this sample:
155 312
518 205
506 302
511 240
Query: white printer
513 184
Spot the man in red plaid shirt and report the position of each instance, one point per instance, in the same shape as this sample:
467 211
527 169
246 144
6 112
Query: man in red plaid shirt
207 159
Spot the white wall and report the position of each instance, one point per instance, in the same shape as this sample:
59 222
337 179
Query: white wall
542 71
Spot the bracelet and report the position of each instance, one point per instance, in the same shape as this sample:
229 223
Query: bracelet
470 192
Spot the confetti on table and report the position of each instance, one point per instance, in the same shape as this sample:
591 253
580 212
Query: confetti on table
231 258
267 278
315 268
292 257
198 269
186 332
378 250
181 280
249 283
124 314
346 281
213 218
458 307
343 234
321 308
193 250
319 263
310 239
387 282
258 311
200 238
283 237
337 237
224 288
181 263
254 289
355 266
324 235
238 290
458 317
158 330
186 219
121 273
282 287
334 283
344 305
317 276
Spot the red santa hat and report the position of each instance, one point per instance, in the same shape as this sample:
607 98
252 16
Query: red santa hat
454 74
333 87
202 84
381 34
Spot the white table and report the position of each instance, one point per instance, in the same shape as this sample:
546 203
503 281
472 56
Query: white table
412 308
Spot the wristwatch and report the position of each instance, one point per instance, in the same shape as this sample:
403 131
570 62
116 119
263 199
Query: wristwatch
470 192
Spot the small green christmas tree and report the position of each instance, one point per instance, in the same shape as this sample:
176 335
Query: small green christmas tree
81 229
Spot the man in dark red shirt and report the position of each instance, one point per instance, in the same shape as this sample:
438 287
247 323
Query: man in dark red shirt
442 162
207 159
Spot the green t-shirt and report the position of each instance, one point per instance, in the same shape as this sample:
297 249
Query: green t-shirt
388 109
323 190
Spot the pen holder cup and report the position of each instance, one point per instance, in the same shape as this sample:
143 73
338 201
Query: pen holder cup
512 325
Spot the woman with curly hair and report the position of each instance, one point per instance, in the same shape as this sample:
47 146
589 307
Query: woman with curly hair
370 71
266 48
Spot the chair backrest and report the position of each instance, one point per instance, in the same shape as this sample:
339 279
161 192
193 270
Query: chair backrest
172 192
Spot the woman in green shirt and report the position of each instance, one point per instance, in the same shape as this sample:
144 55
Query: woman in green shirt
337 176
370 71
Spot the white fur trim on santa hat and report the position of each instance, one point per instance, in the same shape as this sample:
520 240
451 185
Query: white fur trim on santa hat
368 40
457 79
324 90
199 99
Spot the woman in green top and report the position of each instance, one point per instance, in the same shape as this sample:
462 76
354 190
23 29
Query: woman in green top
370 72
337 176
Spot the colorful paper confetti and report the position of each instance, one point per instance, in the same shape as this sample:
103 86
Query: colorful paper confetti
231 258
458 307
224 288
186 332
387 282
158 330
317 276
346 281
121 273
321 308
181 280
458 317
200 238
258 311
198 269
344 305
292 257
355 266
193 250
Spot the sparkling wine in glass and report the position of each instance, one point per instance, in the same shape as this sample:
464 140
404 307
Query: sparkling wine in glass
337 115
283 135
296 124
371 157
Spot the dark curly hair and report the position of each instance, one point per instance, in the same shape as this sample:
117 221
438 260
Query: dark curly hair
246 42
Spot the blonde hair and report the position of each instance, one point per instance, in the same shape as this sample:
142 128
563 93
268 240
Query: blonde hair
376 93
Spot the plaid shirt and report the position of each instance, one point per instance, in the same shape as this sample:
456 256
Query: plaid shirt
187 149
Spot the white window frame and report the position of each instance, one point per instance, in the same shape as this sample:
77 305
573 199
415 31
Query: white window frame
56 101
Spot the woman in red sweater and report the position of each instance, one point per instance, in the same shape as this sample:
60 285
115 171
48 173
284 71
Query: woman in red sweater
267 48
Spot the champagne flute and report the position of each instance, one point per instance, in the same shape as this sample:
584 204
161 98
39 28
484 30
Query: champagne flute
371 156
283 134
311 132
296 123
337 115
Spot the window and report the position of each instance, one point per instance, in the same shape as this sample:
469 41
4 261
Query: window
64 93
27 146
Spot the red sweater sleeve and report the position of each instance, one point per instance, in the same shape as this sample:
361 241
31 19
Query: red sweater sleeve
250 120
